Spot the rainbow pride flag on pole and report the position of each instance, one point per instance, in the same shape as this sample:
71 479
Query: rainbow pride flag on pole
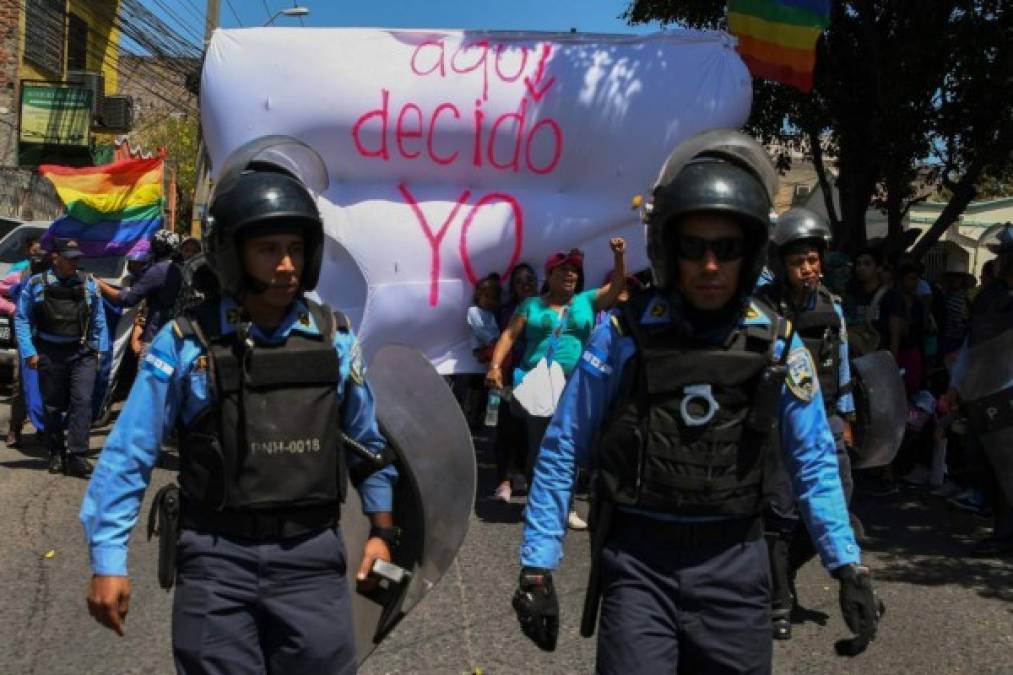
108 208
777 38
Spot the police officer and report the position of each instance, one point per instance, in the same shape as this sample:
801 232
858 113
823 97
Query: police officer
262 384
61 328
158 285
681 392
798 244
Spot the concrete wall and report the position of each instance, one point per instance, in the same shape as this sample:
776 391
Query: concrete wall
10 56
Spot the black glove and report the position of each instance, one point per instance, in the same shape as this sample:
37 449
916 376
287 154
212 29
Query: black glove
537 607
860 608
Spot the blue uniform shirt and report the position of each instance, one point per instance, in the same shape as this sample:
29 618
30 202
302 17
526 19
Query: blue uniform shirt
845 403
170 387
806 441
24 319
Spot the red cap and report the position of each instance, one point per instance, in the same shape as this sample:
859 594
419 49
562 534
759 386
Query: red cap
574 256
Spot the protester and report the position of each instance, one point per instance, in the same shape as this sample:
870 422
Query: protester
869 307
561 318
61 329
483 323
983 382
21 266
987 277
956 307
10 291
908 332
511 437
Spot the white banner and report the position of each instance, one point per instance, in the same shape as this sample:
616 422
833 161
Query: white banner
455 154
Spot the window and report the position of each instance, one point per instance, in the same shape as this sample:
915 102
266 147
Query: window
77 43
44 32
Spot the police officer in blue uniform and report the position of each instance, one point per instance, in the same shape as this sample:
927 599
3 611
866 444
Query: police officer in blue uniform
61 328
798 244
267 391
672 406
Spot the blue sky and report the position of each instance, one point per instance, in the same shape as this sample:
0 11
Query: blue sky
587 16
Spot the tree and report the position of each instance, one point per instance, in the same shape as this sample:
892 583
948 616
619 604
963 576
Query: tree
177 133
975 120
887 81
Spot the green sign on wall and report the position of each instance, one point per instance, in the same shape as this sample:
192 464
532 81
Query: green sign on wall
55 115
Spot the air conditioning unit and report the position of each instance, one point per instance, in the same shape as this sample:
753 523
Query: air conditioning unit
94 81
117 113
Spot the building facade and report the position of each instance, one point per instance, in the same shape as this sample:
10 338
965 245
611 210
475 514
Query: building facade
51 50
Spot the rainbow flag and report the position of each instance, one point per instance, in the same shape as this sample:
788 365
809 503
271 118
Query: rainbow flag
108 208
777 38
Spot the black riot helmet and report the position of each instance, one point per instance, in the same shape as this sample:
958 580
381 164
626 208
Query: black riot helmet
793 227
264 187
720 171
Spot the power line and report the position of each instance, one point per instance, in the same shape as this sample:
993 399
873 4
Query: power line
234 13
170 13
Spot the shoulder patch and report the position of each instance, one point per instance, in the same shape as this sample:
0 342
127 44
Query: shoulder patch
159 365
756 316
357 368
657 311
595 361
801 378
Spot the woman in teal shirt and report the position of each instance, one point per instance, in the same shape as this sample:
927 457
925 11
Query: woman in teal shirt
563 309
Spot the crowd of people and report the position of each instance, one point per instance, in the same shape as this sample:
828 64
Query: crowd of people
64 320
890 304
885 302
709 401
841 308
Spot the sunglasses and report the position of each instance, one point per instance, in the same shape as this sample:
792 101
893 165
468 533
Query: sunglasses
724 249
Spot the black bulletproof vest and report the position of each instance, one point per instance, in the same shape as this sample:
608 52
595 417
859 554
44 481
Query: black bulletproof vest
271 438
62 310
820 330
649 457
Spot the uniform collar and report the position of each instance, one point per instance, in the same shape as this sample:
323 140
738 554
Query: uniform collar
298 319
49 276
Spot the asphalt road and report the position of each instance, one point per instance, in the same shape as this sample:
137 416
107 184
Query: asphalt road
946 613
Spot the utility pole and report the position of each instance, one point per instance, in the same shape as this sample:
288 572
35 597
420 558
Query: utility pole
202 184
211 19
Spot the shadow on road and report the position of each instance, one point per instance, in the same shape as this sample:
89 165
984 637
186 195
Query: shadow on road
923 542
487 508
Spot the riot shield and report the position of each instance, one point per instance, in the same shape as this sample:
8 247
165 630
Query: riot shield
880 407
435 493
986 393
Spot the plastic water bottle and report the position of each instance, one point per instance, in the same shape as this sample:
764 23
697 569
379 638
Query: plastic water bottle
492 408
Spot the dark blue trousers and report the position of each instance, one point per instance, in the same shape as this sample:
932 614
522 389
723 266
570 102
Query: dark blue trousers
666 610
788 539
243 607
66 381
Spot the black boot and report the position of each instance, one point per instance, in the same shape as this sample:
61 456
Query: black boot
56 463
782 628
781 591
78 466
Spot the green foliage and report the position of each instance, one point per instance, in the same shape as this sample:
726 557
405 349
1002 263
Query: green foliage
178 134
895 83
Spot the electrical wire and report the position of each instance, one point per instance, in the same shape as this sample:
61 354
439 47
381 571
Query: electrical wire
234 13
